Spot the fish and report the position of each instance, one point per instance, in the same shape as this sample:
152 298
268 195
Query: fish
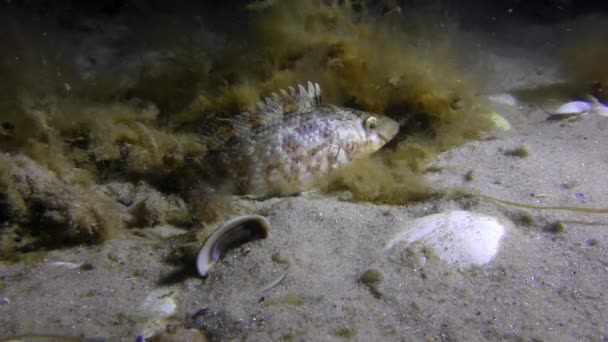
294 142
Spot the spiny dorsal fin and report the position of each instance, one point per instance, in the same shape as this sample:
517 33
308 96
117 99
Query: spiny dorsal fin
241 125
272 109
277 104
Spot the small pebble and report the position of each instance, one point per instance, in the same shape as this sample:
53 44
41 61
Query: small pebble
371 277
556 227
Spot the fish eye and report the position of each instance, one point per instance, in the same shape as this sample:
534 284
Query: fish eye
370 124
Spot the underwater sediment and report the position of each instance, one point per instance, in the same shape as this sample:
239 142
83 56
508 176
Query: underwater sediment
112 124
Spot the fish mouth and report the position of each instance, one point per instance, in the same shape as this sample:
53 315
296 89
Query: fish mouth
384 138
392 128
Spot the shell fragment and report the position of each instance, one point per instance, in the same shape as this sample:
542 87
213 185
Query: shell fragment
233 232
462 238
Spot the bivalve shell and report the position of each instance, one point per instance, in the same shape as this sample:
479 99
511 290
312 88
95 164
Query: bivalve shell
461 238
232 233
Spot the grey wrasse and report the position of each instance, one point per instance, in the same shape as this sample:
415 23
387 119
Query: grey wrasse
294 142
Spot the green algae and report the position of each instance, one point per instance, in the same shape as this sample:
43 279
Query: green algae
290 299
371 279
469 176
521 152
555 227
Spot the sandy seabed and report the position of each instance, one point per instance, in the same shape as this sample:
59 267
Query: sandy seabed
545 283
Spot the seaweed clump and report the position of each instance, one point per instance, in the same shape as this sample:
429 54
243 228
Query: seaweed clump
59 212
72 174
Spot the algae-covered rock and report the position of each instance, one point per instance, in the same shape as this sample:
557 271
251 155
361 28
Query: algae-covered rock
56 212
147 206
43 209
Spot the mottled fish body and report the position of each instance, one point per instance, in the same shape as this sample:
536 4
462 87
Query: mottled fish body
294 142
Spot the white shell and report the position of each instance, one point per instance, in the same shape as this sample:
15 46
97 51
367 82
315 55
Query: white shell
234 229
159 303
499 121
462 238
506 99
573 108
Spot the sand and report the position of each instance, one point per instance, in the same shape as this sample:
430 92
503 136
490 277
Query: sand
547 281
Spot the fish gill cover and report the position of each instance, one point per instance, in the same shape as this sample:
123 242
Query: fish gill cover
123 131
